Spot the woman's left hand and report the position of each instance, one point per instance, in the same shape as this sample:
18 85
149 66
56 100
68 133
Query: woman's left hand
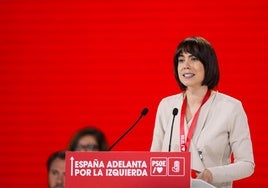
206 175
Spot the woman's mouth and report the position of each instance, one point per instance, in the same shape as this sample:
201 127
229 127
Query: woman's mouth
188 75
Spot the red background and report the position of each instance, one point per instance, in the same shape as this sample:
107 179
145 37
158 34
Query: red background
65 65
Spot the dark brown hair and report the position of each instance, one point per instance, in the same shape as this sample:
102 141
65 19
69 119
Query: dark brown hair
92 131
53 156
202 49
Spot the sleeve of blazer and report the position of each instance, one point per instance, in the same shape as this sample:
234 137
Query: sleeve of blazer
158 135
241 145
163 123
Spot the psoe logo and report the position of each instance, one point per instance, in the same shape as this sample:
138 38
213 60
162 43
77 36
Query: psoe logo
158 166
176 166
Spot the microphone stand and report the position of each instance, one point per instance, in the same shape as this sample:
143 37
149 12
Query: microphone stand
174 112
143 113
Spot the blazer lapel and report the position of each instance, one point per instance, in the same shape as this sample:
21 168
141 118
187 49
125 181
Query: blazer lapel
201 122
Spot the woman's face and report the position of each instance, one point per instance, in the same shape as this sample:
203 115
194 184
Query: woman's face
87 143
190 69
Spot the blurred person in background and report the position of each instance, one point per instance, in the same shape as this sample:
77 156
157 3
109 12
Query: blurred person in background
56 169
88 139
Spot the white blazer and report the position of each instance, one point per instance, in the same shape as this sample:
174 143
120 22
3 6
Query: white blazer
221 129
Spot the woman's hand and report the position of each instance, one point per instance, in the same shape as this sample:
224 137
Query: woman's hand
206 175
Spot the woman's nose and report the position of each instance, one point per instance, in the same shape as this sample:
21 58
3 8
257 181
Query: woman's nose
186 64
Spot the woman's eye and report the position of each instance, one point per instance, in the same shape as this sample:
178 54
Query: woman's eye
180 60
194 59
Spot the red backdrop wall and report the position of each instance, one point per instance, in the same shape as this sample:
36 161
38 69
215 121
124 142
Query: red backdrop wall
68 64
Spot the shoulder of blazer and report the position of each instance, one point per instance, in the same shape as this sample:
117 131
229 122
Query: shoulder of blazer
223 98
172 98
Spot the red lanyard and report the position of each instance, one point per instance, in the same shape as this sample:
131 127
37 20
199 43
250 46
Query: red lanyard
185 143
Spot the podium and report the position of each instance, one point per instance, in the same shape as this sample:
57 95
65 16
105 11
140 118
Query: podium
198 183
127 169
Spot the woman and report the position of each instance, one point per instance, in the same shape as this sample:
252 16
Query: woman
210 125
88 139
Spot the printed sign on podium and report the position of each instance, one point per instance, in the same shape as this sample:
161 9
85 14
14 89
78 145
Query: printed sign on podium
127 169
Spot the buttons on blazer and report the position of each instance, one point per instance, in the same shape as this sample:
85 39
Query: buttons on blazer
200 155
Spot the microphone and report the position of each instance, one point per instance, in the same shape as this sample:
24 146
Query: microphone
174 112
143 113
